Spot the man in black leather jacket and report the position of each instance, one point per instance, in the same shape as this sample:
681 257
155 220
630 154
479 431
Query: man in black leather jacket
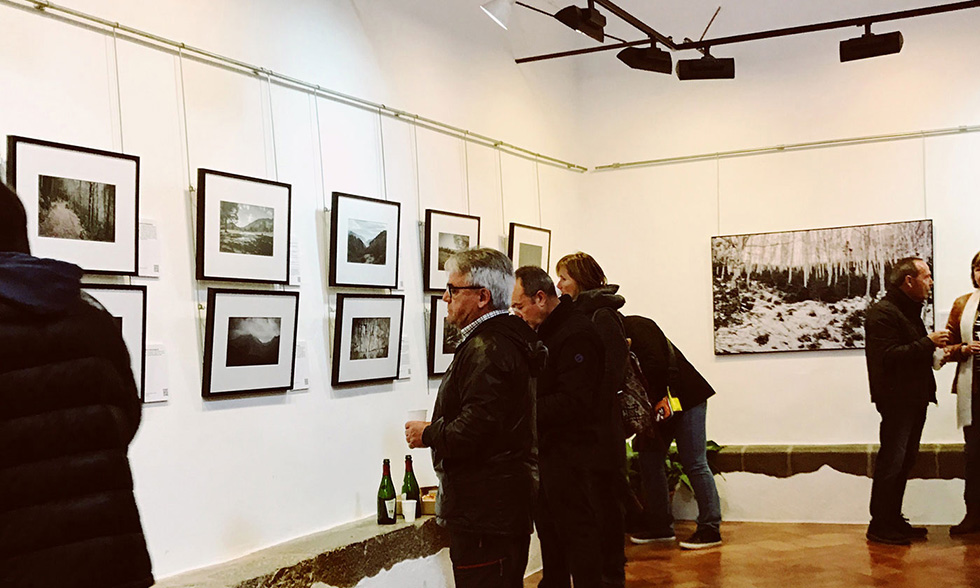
482 430
68 411
899 357
567 516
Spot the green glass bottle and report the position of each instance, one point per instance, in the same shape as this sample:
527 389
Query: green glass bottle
386 497
410 487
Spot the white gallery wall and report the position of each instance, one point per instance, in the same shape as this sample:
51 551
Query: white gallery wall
218 479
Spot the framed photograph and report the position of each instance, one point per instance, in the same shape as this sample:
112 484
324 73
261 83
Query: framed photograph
443 337
127 305
445 234
807 290
250 341
529 246
82 204
368 339
242 228
364 242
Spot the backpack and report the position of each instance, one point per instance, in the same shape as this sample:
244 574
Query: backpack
634 401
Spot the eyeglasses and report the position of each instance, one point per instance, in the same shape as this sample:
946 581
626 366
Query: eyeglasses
454 289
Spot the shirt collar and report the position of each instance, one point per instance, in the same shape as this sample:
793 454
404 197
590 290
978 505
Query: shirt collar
468 329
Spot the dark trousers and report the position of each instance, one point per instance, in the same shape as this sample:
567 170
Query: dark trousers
613 490
901 429
482 560
971 457
567 520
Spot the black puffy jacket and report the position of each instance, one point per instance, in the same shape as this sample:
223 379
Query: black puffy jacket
68 410
482 430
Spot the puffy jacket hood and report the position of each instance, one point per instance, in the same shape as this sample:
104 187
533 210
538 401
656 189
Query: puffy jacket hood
604 297
41 286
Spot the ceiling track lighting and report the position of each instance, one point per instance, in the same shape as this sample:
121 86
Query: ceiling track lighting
590 22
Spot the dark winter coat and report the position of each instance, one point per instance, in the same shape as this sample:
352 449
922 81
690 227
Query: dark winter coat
649 344
568 387
482 430
602 305
68 410
898 353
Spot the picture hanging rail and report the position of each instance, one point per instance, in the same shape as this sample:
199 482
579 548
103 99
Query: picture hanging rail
445 234
249 342
127 305
82 204
806 290
364 237
529 245
243 228
368 337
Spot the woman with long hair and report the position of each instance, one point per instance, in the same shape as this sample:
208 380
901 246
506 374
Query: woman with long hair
963 348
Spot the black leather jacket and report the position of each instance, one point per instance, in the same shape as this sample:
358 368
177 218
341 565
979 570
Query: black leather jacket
482 431
898 353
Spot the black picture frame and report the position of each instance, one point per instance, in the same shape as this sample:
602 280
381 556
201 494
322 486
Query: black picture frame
442 348
254 331
82 203
446 232
127 304
367 338
527 245
258 249
364 241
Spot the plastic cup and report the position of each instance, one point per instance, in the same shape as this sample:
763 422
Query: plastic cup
417 415
408 509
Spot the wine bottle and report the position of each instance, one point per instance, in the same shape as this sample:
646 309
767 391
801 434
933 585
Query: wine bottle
410 487
386 497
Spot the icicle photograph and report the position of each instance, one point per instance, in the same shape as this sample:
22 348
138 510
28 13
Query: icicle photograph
807 290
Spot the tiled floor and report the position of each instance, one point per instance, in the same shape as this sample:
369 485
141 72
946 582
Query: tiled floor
764 555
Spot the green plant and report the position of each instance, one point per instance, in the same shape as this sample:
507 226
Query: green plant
672 464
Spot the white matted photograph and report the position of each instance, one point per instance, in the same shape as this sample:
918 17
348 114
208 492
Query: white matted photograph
364 235
445 234
243 226
250 342
443 337
529 245
82 204
368 337
127 305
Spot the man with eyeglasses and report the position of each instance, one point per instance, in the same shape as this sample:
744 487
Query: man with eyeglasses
482 430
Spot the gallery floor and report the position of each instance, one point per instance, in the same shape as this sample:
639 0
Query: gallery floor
764 555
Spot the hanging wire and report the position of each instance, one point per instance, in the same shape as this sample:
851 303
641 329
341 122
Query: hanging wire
466 173
115 60
384 169
925 195
418 170
500 174
183 103
272 124
319 143
537 180
718 192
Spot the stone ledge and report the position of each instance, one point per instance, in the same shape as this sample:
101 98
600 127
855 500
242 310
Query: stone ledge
339 557
936 461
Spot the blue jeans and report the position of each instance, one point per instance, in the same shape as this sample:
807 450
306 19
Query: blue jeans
691 436
900 431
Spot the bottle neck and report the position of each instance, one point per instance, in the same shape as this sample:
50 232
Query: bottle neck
386 469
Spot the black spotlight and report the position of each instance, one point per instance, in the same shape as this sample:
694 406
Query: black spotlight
649 59
870 45
587 21
706 68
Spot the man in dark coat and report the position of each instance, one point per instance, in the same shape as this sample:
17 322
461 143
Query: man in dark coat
899 357
482 430
68 411
568 388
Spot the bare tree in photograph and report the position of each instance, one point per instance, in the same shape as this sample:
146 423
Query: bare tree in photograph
76 209
806 290
369 337
247 229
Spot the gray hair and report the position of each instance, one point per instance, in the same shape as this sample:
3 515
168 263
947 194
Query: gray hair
488 268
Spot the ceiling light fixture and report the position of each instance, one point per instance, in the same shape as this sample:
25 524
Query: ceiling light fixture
706 68
499 11
588 21
870 45
650 58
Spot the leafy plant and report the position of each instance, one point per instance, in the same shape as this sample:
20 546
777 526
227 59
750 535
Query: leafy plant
672 464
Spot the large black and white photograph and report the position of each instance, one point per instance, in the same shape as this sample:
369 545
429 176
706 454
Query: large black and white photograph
249 342
247 229
367 338
443 337
364 235
529 246
367 242
127 306
76 209
243 226
807 290
82 204
445 234
370 337
253 340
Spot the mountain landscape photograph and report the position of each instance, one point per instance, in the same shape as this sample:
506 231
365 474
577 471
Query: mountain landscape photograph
247 229
253 341
367 242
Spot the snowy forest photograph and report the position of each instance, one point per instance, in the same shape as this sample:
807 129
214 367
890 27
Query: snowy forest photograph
806 290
